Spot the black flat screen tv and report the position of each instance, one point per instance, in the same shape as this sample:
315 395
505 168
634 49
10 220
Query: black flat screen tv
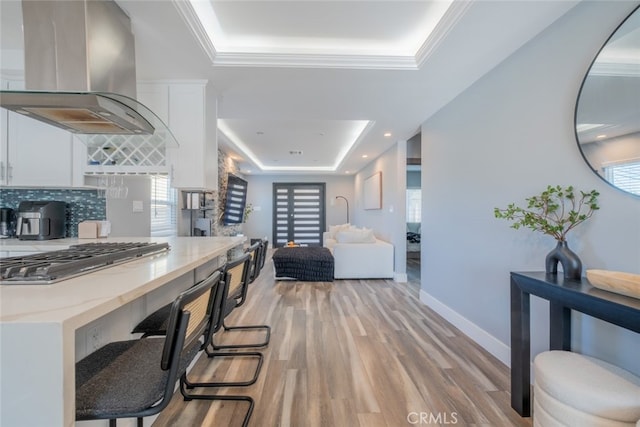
235 200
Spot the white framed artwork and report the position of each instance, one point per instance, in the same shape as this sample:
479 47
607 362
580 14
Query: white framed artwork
373 191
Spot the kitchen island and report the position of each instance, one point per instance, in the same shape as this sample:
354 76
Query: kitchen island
39 324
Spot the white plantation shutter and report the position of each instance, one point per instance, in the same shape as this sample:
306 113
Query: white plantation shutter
625 176
414 205
163 207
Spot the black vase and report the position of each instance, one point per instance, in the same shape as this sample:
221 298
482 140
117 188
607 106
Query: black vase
571 264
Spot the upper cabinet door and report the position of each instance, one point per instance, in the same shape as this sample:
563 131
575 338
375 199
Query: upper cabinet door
186 120
182 105
33 153
156 97
39 154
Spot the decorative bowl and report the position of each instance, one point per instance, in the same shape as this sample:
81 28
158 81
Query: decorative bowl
615 281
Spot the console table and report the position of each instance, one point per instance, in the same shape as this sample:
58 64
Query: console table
563 295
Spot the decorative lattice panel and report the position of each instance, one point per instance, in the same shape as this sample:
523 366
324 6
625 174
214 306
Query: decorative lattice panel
126 150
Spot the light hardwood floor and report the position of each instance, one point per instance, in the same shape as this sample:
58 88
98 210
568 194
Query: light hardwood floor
353 353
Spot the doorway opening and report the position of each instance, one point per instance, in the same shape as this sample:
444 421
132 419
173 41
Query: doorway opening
414 208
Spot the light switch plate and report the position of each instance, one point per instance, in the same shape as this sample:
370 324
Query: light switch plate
138 206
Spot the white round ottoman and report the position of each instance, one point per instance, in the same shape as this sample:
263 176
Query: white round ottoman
571 389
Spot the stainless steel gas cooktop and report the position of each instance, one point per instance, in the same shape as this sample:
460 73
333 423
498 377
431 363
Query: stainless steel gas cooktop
52 267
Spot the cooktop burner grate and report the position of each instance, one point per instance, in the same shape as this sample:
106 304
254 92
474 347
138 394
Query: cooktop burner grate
51 267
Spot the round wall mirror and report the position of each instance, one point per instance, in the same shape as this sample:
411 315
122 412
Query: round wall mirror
607 114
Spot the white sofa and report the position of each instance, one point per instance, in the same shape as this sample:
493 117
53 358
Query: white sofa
358 254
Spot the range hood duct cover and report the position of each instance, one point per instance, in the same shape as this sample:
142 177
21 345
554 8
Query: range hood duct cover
77 54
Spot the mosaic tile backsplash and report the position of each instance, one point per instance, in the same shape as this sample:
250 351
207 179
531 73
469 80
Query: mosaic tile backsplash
81 204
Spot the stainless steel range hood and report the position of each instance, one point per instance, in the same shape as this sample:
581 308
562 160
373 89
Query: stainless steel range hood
83 113
80 69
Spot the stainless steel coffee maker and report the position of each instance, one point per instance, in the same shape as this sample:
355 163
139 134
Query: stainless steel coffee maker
41 220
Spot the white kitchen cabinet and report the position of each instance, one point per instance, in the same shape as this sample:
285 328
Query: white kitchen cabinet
32 153
134 154
38 154
183 106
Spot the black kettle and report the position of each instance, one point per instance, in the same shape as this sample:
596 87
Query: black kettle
7 222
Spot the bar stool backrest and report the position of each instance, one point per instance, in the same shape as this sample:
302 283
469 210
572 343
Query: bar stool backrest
234 273
190 315
237 275
263 254
254 251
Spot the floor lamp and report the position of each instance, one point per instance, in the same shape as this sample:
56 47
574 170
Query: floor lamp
347 202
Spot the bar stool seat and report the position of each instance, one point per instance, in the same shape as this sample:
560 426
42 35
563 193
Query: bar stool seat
572 389
100 396
136 378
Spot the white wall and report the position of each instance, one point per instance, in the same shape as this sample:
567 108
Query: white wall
260 195
504 139
388 223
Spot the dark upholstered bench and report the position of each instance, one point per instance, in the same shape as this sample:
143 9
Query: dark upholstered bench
309 264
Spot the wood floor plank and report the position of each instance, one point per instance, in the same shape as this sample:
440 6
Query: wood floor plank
351 353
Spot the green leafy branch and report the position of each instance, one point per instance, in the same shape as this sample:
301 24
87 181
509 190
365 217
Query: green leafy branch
247 211
555 211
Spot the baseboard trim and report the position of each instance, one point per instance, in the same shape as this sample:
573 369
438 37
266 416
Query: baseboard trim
490 343
400 277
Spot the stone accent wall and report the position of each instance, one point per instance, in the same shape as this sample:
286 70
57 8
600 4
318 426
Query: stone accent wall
226 166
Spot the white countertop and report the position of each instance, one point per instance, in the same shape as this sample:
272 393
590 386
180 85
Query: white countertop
78 301
14 244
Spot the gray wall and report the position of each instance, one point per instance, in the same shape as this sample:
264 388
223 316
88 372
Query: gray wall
388 223
260 194
124 222
504 154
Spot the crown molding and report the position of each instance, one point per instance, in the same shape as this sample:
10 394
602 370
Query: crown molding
190 17
302 60
294 59
452 16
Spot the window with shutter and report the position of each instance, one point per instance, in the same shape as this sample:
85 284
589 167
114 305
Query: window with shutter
625 176
163 207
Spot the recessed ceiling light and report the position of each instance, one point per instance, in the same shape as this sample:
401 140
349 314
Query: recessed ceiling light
387 134
364 156
601 136
346 171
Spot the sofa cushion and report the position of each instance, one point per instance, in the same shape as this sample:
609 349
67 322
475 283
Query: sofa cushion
355 236
334 229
